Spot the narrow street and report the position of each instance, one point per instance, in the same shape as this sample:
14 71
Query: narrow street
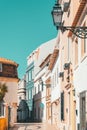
33 126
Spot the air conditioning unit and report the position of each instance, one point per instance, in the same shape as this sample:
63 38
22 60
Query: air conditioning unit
66 66
61 74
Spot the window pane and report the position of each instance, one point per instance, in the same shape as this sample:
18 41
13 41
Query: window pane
76 51
1 109
29 76
0 67
32 73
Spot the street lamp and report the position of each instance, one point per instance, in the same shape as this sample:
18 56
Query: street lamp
57 13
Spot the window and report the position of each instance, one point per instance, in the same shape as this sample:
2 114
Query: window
32 73
35 90
62 106
20 98
53 81
27 94
0 67
1 109
57 74
38 88
68 55
48 91
83 45
30 94
42 86
62 58
29 76
49 110
55 78
76 51
83 109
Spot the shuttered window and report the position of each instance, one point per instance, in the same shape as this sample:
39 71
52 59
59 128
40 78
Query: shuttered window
1 109
62 106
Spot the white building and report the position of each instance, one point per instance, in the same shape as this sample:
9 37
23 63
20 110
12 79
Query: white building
80 75
40 96
80 81
33 73
22 89
55 85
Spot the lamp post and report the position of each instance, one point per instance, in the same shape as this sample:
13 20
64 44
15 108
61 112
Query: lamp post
57 14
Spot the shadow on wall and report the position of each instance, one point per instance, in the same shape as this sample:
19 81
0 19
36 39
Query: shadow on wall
23 112
38 107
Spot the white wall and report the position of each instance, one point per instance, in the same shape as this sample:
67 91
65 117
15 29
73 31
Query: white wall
80 78
41 96
55 89
40 54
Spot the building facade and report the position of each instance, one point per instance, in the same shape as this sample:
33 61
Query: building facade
33 67
80 70
55 87
73 65
29 88
9 76
42 95
22 111
61 98
22 89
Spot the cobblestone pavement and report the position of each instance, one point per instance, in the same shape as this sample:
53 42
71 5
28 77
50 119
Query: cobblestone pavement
33 126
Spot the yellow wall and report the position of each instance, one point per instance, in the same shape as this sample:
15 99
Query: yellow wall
3 124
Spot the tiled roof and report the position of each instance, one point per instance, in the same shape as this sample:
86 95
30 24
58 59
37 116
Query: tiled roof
7 61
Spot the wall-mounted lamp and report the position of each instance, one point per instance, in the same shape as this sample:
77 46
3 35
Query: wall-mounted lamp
57 13
66 66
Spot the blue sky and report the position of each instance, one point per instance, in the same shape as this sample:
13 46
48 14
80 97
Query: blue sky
24 25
